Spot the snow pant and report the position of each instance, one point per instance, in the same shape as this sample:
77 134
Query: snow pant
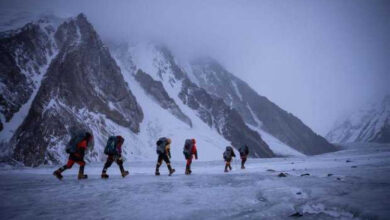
110 160
160 158
227 163
243 160
188 165
72 160
189 161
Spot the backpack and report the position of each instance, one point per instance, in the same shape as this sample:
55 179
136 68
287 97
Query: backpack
228 153
187 150
161 143
71 147
244 150
111 146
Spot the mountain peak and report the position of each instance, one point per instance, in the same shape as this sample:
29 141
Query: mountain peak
370 124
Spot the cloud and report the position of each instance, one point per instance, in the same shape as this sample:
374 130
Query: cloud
316 59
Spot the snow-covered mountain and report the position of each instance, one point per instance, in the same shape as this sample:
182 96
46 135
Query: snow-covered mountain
371 124
149 65
57 76
77 85
257 111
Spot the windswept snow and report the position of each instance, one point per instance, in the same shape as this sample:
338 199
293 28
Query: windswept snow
350 184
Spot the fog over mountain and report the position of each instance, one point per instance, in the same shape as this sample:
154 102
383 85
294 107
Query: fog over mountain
264 79
317 60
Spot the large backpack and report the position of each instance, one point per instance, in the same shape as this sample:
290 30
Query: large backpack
161 143
187 150
243 150
228 153
71 147
111 146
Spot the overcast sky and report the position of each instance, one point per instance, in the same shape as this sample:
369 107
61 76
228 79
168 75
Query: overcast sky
316 59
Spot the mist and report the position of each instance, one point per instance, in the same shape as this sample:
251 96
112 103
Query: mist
316 59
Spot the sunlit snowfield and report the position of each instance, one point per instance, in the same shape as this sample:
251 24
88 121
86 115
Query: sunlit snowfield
349 184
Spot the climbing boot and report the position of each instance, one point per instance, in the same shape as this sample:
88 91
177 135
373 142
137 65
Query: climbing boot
157 173
171 170
125 173
57 174
188 171
104 176
81 174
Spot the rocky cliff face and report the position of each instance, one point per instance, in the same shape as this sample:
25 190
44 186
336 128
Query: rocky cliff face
156 65
257 110
213 111
82 87
371 124
157 91
24 55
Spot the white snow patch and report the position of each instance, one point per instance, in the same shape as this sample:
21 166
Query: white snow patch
237 90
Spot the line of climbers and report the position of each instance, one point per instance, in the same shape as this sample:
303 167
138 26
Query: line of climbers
79 142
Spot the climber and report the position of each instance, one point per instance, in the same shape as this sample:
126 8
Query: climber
164 153
76 150
114 151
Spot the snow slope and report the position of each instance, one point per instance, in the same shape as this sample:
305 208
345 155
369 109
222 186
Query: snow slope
350 184
159 122
278 147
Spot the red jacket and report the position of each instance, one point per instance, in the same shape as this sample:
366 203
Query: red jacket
194 151
81 147
82 144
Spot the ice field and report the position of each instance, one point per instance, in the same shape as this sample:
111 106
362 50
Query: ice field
350 184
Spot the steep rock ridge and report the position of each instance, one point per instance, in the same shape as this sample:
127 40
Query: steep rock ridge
158 121
208 74
83 87
371 124
25 54
156 90
227 121
160 64
257 110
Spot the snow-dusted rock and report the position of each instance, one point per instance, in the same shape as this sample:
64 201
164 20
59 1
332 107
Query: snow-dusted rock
82 81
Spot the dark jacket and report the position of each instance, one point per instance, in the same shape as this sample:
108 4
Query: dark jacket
244 151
